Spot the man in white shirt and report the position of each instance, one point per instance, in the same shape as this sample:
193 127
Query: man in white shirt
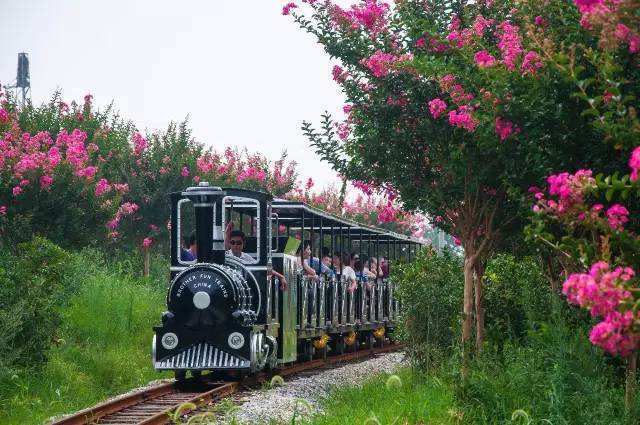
235 243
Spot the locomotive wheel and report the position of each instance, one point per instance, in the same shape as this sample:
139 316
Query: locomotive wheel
370 341
340 344
180 375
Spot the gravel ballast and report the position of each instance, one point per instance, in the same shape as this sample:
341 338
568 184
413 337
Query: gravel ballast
303 393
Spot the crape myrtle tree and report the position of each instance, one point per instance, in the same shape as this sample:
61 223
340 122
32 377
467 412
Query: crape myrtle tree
449 104
80 175
589 216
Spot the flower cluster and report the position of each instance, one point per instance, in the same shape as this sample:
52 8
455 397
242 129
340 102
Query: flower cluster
604 293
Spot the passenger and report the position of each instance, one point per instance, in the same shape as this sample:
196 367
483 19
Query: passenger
235 240
384 267
189 251
374 268
316 264
348 272
369 270
305 254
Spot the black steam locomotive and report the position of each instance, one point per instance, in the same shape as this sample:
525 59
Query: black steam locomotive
232 313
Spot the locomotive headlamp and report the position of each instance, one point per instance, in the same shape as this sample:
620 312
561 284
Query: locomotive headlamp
201 300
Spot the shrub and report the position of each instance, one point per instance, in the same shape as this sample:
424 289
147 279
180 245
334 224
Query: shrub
557 377
430 290
30 293
517 298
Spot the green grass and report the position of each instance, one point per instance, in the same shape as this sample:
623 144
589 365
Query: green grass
103 347
419 399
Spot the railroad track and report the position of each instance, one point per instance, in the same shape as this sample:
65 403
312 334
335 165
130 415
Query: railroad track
155 405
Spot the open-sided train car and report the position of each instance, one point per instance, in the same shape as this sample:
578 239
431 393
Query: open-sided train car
225 313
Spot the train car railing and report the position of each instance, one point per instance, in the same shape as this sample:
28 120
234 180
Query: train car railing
303 294
333 298
321 299
312 287
342 300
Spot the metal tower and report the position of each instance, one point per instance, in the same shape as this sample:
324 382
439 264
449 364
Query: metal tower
22 88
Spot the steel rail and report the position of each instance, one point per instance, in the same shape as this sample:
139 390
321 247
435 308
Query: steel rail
154 405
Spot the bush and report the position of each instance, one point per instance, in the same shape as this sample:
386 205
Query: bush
517 298
430 290
557 377
30 294
103 345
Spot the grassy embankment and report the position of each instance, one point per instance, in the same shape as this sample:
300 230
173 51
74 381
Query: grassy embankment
102 347
406 398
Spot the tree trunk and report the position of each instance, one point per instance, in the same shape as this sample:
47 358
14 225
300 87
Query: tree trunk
631 384
467 312
479 269
147 262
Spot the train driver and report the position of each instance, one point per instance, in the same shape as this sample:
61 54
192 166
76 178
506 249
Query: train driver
234 244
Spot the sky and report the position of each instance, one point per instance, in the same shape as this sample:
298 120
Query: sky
244 74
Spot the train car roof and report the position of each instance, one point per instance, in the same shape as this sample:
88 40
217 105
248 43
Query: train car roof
291 213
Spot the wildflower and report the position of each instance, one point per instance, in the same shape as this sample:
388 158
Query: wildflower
184 172
147 242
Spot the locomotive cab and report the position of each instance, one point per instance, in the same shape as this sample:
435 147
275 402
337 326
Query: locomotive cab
216 316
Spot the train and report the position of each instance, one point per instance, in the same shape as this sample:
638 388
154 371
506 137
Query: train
231 312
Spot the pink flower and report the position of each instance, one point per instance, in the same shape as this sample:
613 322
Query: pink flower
531 63
153 228
437 107
17 190
387 214
462 118
480 24
309 184
614 334
3 210
4 116
634 163
540 21
380 63
121 187
617 216
46 181
510 44
587 5
457 241
147 242
140 144
504 128
287 8
184 172
484 60
338 74
102 187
